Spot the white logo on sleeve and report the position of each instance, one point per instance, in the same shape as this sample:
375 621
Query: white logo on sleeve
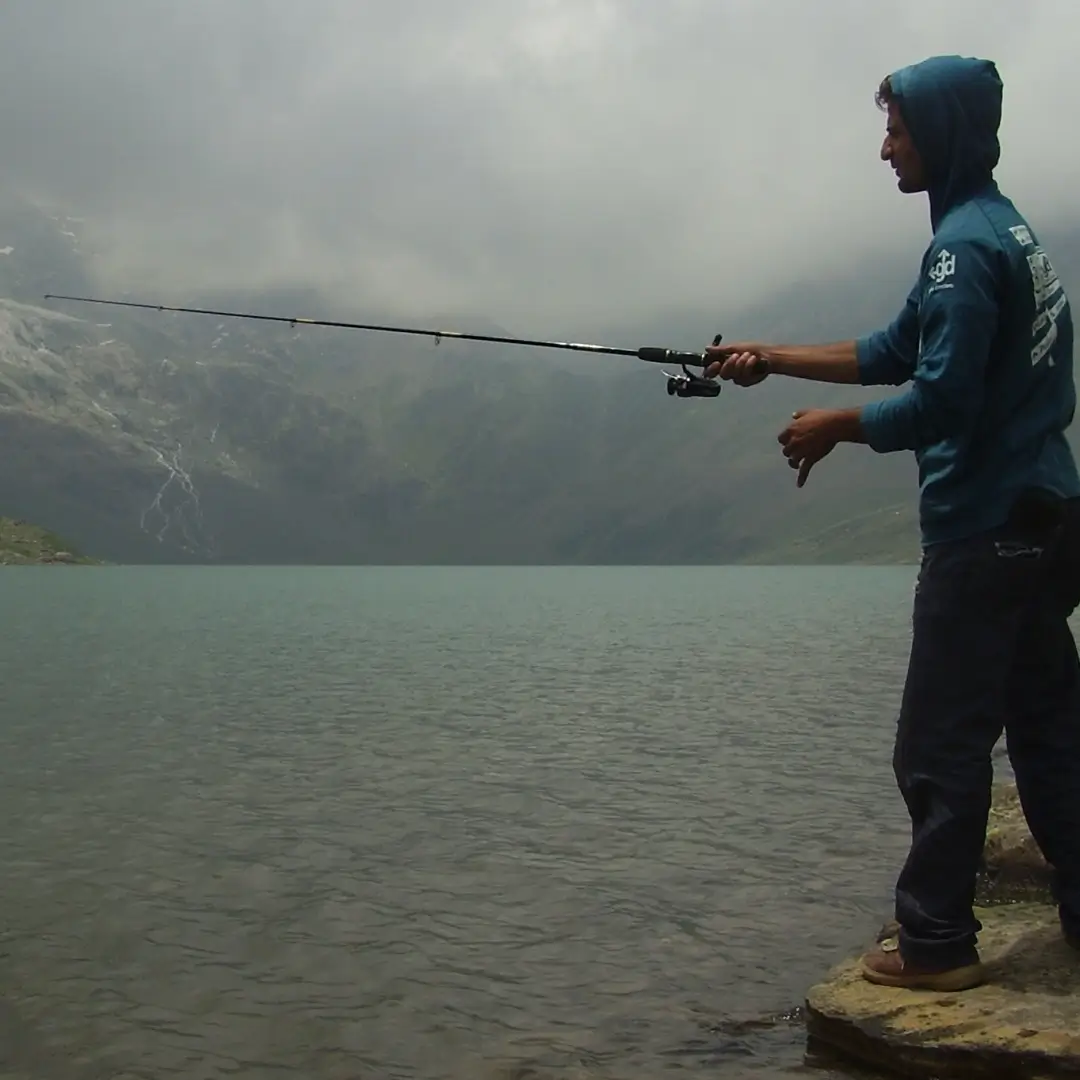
944 267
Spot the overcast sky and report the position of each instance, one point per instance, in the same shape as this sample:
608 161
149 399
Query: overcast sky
552 164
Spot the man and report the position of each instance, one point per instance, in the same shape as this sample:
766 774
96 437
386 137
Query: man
986 339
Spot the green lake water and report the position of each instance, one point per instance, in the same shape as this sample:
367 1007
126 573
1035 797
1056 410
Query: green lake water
439 823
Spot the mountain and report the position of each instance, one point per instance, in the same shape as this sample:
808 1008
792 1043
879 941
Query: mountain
148 436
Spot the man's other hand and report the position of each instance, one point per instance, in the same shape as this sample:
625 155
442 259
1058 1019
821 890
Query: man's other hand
811 435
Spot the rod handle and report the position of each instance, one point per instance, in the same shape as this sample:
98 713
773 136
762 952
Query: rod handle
656 355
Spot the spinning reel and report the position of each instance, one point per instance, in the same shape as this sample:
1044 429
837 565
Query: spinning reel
688 384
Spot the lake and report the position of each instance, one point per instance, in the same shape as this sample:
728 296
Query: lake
434 823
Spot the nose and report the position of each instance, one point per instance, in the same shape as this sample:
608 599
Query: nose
886 149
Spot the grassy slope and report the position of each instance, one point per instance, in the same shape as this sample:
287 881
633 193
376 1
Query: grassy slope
21 543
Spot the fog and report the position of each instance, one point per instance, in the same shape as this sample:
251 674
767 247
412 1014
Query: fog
551 164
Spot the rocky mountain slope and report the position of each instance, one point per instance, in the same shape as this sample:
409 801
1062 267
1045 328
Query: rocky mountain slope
148 436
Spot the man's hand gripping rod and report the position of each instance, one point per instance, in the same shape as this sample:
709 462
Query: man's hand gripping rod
688 384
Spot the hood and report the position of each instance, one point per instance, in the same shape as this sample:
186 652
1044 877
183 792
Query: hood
952 107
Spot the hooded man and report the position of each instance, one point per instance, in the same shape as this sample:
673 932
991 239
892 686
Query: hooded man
985 338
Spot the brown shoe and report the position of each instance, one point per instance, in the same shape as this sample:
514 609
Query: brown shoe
886 967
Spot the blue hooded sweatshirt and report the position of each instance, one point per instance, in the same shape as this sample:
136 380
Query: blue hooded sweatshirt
986 334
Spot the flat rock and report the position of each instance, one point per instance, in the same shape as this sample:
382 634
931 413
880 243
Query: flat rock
1013 866
1024 1022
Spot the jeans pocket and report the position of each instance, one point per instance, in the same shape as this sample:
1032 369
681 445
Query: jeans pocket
1019 549
985 577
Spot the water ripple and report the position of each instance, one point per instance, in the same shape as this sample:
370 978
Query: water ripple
496 824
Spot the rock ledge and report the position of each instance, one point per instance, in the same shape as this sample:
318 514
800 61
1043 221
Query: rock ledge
1024 1022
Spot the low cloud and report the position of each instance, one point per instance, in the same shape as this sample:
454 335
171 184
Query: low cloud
552 164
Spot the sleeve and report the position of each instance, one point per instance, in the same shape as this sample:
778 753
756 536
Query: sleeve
957 322
888 356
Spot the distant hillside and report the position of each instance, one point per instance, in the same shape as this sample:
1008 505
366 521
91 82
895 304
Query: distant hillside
156 437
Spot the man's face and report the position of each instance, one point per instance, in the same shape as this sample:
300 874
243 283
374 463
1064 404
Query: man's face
898 150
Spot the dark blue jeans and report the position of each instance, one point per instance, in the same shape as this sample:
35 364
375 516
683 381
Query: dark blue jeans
991 651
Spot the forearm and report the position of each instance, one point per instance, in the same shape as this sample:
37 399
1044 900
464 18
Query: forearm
832 363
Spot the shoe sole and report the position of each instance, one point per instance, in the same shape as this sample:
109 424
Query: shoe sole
965 978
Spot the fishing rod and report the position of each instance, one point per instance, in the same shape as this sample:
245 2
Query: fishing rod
688 384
